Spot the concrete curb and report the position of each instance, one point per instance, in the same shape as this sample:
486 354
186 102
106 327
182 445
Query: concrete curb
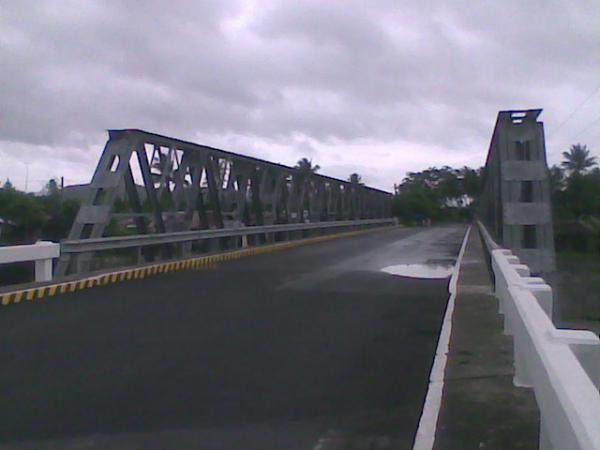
425 437
197 263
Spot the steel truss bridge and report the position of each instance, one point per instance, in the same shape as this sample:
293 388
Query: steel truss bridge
187 187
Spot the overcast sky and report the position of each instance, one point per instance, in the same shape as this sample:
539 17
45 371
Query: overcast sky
374 87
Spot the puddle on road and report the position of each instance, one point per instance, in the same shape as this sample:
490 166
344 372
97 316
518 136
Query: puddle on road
420 270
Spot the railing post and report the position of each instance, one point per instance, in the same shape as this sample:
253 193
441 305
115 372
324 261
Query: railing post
43 270
542 293
42 252
43 267
139 256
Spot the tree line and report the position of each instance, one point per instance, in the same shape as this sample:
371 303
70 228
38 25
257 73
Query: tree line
575 190
435 194
27 217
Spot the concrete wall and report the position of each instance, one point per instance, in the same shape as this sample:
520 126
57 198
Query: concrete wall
515 204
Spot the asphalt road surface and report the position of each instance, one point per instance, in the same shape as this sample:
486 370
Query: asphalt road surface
310 348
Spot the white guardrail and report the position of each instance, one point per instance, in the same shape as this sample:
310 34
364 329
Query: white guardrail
42 252
562 366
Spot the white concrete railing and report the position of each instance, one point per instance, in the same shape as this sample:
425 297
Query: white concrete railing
562 366
42 252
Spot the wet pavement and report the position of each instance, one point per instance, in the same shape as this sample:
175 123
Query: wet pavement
420 270
312 348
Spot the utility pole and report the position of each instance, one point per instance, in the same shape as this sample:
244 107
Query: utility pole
26 177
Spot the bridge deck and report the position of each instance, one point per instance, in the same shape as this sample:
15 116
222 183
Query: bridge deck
309 348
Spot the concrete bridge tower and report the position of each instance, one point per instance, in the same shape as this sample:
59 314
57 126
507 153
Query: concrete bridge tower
516 205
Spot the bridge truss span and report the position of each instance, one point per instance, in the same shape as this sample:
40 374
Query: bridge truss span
157 184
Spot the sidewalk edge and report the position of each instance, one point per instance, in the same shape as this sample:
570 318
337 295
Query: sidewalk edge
425 437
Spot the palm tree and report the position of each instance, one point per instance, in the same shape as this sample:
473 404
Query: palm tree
305 167
578 159
355 178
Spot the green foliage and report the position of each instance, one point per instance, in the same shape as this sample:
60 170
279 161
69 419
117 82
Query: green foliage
121 206
35 217
305 167
436 194
24 211
355 178
115 229
576 189
557 179
166 200
416 203
577 213
579 198
60 219
578 159
576 201
52 188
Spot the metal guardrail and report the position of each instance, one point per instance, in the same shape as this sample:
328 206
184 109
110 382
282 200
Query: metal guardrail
562 366
118 242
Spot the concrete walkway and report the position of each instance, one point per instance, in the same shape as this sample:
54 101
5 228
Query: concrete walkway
480 406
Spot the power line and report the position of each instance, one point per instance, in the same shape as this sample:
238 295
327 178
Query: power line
587 127
576 135
576 108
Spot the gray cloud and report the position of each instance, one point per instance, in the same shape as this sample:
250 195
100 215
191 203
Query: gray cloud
287 79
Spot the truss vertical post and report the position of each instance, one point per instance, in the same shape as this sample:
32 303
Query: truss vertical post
213 191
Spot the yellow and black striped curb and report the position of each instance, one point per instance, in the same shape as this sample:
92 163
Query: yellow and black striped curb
197 263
